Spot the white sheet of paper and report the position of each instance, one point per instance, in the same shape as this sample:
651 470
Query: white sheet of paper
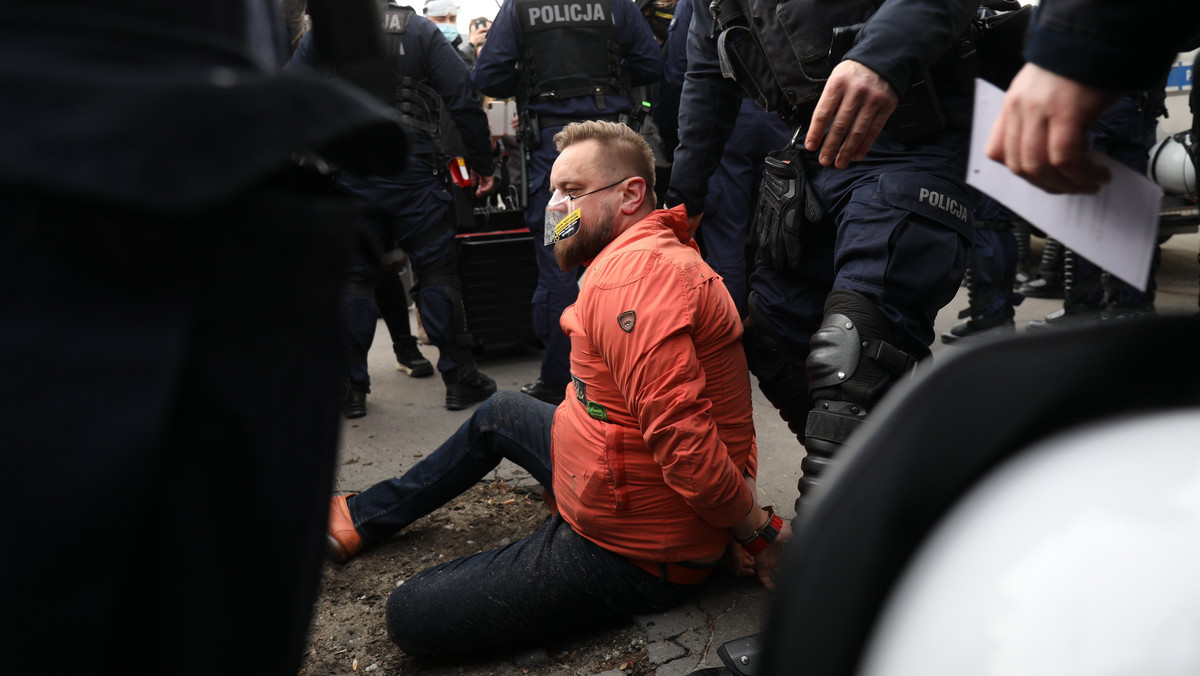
1116 228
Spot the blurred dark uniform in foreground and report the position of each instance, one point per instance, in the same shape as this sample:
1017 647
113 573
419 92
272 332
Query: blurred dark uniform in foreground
171 335
856 262
565 61
412 208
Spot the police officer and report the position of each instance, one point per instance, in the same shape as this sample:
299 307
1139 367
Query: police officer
412 208
730 202
864 221
564 60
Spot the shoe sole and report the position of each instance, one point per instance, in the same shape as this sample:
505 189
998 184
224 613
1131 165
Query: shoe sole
337 553
357 413
949 338
459 403
422 371
1045 295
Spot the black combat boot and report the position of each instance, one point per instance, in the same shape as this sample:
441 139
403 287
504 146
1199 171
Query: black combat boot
354 400
1082 303
409 358
1050 282
465 386
977 329
551 393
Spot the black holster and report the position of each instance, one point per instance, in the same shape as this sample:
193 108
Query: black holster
530 129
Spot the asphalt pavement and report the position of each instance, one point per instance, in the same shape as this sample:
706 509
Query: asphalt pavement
406 419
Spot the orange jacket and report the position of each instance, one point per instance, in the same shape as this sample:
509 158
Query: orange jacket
655 435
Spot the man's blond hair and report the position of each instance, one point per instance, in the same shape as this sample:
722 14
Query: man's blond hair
622 145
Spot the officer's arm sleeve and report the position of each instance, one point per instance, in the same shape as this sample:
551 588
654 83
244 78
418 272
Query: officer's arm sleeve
452 80
886 44
708 109
495 72
675 52
643 56
666 107
1110 44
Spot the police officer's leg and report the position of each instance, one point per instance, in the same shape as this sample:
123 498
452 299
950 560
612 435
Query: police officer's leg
1083 294
1124 301
358 311
1021 233
990 300
722 232
392 300
729 207
556 290
903 244
424 229
784 309
439 300
1128 139
1049 280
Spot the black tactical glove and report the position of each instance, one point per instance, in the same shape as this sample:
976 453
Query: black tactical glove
785 206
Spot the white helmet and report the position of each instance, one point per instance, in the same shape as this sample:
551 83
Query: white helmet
1078 557
1172 166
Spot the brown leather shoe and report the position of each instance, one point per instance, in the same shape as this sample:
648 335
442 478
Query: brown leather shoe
344 541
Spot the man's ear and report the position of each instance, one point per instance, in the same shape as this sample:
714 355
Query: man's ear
633 195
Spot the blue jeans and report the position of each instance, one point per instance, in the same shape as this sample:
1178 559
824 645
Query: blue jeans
550 584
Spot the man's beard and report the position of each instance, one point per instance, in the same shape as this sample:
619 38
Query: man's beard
587 244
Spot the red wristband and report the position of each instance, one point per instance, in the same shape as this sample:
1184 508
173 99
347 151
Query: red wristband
765 537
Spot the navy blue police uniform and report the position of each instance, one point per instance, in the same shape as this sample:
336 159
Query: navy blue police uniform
847 306
565 61
412 208
729 205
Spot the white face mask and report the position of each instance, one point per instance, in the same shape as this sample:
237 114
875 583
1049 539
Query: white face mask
561 221
450 30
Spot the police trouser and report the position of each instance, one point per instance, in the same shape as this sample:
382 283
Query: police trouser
993 271
556 289
729 207
897 234
422 230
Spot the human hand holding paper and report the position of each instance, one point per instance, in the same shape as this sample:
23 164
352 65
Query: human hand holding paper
1116 228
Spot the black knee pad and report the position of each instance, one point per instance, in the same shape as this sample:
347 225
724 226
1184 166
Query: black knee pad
778 367
851 364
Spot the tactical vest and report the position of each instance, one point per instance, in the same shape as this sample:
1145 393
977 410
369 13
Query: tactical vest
805 40
420 107
569 50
